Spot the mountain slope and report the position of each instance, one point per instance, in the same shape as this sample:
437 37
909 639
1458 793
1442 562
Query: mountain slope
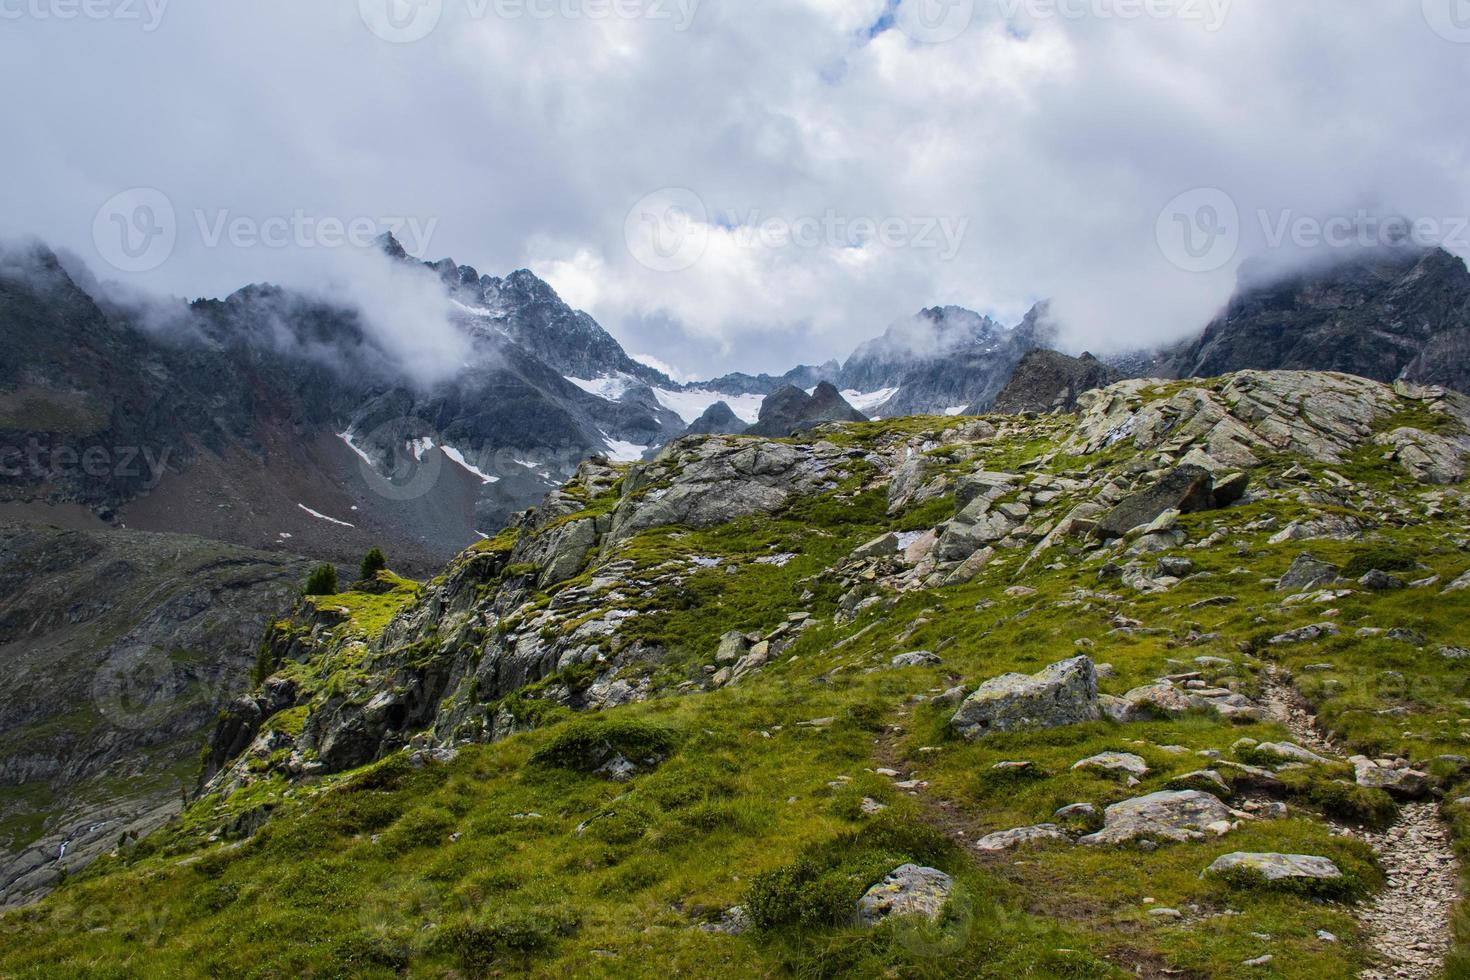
747 673
120 649
1400 313
271 418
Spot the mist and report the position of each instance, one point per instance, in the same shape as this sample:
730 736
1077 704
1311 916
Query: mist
857 174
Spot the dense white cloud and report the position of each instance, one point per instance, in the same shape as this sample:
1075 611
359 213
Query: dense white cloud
834 160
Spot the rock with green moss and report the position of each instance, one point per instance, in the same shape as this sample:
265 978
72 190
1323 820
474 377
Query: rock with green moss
1242 866
908 889
1063 694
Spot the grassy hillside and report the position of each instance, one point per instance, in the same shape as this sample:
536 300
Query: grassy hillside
792 789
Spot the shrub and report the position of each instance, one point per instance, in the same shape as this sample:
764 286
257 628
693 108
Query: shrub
586 744
822 887
1383 559
322 581
372 563
476 945
1356 804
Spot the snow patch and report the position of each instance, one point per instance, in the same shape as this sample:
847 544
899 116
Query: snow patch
956 410
623 452
458 457
865 400
323 517
690 405
610 388
472 310
347 438
420 446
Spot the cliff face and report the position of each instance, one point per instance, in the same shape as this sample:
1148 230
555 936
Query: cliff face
1046 381
119 650
1403 313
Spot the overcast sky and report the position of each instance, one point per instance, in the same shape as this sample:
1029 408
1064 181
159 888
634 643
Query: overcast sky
741 184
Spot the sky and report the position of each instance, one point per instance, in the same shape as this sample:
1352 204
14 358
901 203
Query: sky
742 184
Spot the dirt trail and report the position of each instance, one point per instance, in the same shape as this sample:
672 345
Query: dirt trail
1408 922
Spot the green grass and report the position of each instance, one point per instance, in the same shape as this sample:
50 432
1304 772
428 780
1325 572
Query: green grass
514 859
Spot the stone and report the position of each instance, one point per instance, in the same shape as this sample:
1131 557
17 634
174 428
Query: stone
1405 783
1204 780
1114 764
1064 693
1187 489
1007 839
1174 567
1307 573
906 890
1276 867
1305 634
1077 811
1290 752
735 922
880 547
1404 635
1379 581
733 646
1179 816
918 658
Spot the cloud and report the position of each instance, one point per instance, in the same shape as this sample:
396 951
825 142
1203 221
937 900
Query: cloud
1056 142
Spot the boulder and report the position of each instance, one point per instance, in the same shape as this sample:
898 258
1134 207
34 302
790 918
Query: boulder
1404 783
1307 573
1007 839
906 890
919 658
1276 867
1187 489
1114 764
1171 815
1064 693
1305 634
1290 752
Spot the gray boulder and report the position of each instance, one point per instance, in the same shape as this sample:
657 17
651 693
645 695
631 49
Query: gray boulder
1307 573
1175 816
1187 489
1063 694
1276 867
906 890
1005 840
